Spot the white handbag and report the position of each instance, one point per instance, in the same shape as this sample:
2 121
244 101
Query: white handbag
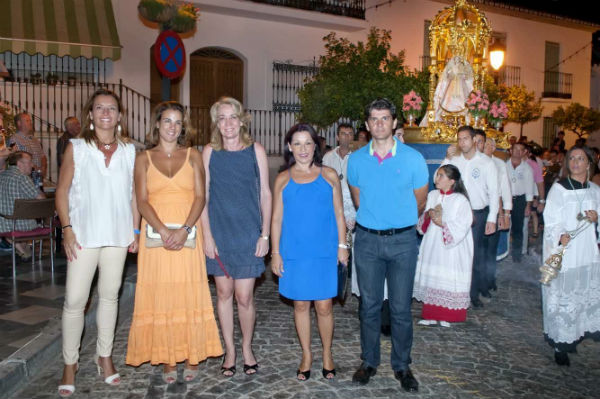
153 239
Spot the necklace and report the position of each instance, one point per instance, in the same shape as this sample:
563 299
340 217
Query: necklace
580 215
106 145
168 154
341 163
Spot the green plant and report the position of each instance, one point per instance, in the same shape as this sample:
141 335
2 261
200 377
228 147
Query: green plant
351 75
522 105
577 118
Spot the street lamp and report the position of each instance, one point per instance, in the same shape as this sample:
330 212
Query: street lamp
496 51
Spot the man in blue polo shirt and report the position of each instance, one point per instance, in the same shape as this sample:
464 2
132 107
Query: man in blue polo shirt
389 183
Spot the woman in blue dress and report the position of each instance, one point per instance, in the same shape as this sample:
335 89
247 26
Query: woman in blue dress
308 239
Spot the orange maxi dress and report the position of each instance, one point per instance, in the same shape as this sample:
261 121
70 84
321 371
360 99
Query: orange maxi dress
173 317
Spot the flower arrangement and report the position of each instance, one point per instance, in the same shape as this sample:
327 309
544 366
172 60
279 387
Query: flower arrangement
412 105
497 113
170 14
7 120
478 104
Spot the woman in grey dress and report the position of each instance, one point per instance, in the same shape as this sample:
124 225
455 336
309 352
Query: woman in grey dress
235 223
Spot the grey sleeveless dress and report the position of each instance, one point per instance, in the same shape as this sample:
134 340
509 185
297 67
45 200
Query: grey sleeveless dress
234 213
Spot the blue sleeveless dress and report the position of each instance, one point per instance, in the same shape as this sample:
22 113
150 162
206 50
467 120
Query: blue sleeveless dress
234 213
309 241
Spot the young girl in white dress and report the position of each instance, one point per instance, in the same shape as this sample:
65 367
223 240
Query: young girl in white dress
443 275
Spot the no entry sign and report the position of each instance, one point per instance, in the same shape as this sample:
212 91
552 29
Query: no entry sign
169 54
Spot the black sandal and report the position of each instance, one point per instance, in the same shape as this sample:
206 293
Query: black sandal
228 370
327 372
247 368
305 374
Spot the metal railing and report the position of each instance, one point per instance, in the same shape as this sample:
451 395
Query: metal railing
557 85
509 75
288 79
346 8
51 103
266 127
425 61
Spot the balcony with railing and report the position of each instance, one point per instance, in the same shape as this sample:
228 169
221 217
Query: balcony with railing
509 75
346 8
557 85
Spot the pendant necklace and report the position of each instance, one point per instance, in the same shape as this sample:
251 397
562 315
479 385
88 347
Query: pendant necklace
107 145
580 216
341 162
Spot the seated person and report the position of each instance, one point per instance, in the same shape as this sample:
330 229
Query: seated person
15 183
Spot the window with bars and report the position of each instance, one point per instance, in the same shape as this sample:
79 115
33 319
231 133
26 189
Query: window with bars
51 69
288 78
550 130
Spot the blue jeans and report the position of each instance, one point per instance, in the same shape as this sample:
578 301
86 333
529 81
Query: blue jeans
377 258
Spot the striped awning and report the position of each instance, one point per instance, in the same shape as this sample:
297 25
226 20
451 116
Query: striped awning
77 28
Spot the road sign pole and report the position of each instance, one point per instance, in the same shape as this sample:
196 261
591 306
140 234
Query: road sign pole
165 89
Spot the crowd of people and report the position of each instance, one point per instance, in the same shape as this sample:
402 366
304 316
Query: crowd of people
192 214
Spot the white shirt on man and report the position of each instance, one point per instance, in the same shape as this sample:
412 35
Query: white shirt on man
481 181
503 183
333 160
521 180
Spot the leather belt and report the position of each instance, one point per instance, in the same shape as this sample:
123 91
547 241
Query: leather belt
388 232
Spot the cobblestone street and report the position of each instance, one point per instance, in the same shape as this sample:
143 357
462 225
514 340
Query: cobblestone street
498 353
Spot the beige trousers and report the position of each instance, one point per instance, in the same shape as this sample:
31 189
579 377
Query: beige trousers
80 274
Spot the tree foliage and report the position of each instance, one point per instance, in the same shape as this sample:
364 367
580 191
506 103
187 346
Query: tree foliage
352 75
523 107
577 118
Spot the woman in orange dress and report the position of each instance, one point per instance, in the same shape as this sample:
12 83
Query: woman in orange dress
173 319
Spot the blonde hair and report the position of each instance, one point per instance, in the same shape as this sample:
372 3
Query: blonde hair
216 141
187 133
88 134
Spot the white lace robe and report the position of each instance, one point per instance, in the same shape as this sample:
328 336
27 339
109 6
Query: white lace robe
444 266
571 302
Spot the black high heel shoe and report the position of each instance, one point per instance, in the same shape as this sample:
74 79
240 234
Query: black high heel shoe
226 370
328 372
305 374
562 358
250 370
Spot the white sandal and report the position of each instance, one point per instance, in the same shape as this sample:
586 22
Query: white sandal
110 380
426 322
69 388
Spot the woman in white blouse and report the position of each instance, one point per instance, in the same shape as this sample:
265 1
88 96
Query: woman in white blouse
97 209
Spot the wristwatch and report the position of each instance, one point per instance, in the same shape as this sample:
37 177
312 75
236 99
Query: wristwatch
187 228
266 238
343 246
542 201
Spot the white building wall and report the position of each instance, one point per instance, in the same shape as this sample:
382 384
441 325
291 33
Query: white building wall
261 34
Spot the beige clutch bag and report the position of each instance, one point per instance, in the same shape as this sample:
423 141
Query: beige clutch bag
153 239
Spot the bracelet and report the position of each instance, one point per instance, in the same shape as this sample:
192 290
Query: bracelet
136 231
542 201
266 238
64 227
274 253
344 246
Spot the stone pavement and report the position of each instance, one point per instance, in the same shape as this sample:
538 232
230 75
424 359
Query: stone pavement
498 353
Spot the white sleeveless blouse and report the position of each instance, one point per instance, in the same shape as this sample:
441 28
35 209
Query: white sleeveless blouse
100 196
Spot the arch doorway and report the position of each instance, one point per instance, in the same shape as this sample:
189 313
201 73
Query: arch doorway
214 72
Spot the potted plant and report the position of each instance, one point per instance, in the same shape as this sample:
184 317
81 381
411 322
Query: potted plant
478 105
412 105
497 113
36 78
51 78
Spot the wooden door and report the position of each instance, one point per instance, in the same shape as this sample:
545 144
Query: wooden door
213 73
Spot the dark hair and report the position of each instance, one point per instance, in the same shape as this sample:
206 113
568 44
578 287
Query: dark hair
346 126
468 129
184 138
67 120
588 153
480 132
365 131
15 157
380 104
453 173
288 156
88 134
18 117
